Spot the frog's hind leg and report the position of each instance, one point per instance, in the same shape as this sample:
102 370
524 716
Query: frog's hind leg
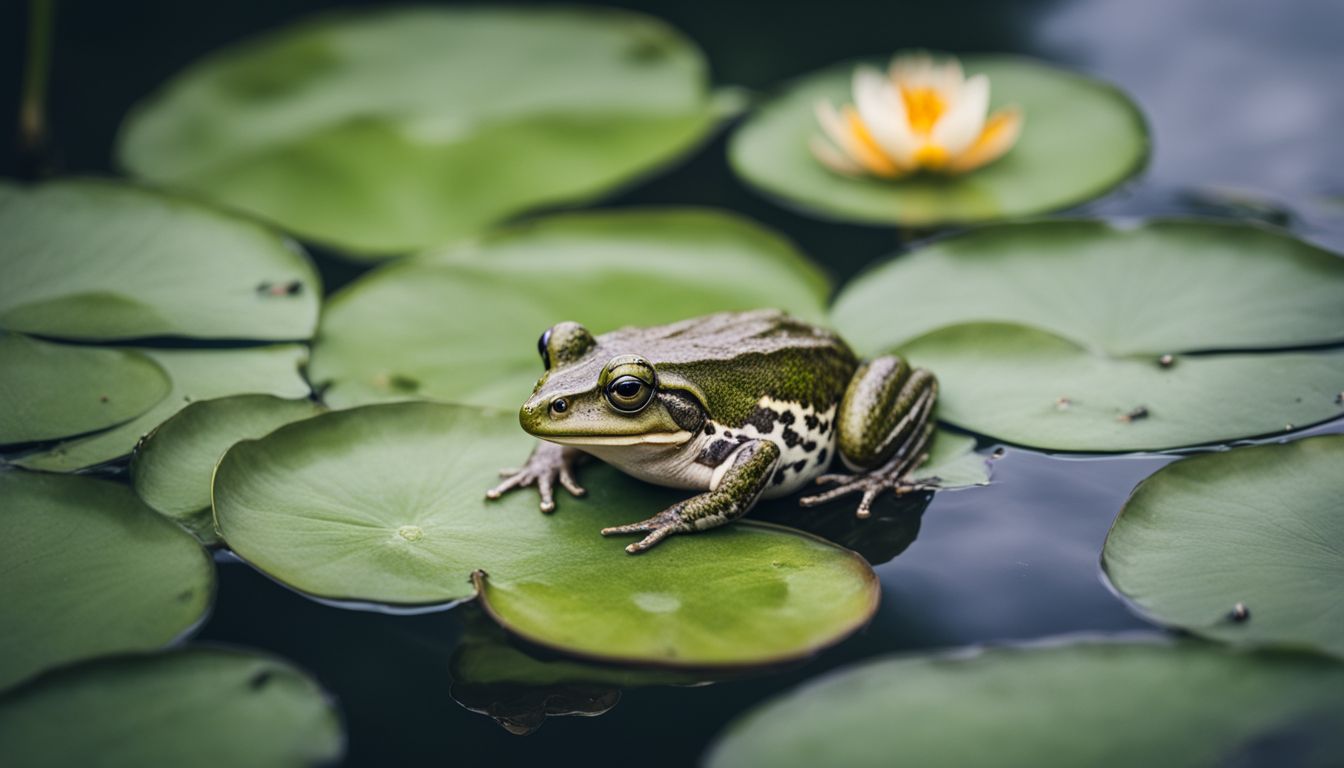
747 473
883 430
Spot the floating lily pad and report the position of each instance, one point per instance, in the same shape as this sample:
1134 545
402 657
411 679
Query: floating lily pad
1256 527
88 570
172 468
386 504
1081 138
105 260
467 320
190 707
50 390
1188 704
196 375
1053 334
386 131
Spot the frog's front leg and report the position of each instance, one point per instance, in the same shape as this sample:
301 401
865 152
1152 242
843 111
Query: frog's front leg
883 430
547 464
749 470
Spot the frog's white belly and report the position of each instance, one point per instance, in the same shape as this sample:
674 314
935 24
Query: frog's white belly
804 436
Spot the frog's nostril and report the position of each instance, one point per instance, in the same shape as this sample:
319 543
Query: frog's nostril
558 405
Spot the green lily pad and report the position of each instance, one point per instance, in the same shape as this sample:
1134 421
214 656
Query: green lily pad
181 269
200 706
467 320
1053 334
87 571
1187 704
386 131
172 468
195 375
1258 527
386 504
1080 139
48 391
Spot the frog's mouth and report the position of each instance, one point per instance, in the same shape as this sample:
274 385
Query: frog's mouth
648 438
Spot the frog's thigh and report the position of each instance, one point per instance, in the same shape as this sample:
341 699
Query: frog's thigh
886 405
736 490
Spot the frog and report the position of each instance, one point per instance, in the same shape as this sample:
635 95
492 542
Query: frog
739 406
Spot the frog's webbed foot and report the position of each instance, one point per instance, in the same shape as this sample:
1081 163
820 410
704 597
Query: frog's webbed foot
893 476
658 527
750 471
548 464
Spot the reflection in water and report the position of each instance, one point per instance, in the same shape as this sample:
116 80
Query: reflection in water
880 538
493 677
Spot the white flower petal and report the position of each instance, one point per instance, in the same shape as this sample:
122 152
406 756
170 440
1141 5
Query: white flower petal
883 111
960 126
832 158
833 126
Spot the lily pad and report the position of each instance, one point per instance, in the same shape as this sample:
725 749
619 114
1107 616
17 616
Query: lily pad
1081 138
172 468
386 131
87 570
1056 334
1097 703
1245 546
386 504
48 391
181 269
196 375
467 320
200 706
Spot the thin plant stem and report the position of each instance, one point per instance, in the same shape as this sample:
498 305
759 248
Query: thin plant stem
33 137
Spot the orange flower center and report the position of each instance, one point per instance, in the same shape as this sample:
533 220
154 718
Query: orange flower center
923 107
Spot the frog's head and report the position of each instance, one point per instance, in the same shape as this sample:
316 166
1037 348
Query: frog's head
590 397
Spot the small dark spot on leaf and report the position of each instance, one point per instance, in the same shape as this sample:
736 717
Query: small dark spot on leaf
260 679
185 595
403 383
645 51
1239 613
998 453
1140 412
102 399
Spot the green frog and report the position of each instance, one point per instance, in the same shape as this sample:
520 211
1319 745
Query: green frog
738 405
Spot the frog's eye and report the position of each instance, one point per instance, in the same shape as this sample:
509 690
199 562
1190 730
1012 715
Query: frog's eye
542 344
629 394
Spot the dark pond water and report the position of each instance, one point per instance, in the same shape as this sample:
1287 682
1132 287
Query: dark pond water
1245 104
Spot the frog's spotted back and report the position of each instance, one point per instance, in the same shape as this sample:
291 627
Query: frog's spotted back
733 359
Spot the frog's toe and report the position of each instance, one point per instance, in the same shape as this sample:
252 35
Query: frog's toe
516 479
658 527
570 484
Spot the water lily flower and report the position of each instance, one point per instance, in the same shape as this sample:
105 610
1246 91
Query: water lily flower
920 116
